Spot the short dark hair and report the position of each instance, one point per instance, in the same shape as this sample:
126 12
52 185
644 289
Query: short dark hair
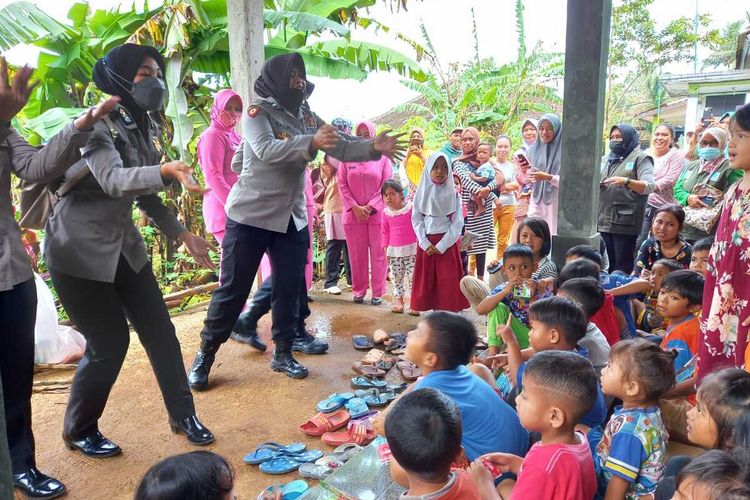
673 209
586 292
487 144
579 268
648 364
724 475
586 252
503 136
688 284
671 265
669 128
741 118
518 250
540 228
726 395
703 245
423 429
393 184
567 377
562 314
452 338
198 475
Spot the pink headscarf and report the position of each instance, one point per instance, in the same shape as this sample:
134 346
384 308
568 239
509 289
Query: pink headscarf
220 104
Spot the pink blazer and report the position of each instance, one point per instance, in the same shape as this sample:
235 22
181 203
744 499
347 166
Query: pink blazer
215 156
359 185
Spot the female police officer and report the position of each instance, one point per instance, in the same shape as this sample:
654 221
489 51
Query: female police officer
266 209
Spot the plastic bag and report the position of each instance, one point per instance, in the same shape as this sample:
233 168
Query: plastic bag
53 343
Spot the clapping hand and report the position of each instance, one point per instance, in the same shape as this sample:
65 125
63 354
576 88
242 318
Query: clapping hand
390 145
15 95
325 138
95 114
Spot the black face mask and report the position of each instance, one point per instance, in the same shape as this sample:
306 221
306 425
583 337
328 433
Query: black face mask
149 93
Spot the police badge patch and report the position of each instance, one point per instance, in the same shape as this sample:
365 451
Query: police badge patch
282 136
308 120
253 111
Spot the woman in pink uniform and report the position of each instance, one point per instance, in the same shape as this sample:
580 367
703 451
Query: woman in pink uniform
359 185
216 147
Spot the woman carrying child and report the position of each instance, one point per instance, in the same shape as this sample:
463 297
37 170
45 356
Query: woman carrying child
479 223
725 320
666 241
437 220
400 243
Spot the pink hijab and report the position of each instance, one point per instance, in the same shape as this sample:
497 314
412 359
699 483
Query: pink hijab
220 103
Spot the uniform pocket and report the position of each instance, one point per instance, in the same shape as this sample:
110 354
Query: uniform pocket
624 214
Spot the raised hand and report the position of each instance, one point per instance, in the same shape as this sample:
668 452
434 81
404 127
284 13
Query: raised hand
15 95
390 145
325 138
182 173
95 114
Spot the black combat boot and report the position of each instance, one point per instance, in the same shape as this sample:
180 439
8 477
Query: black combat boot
204 359
283 361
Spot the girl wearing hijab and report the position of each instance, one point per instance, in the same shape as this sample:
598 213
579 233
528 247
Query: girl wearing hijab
712 170
359 185
521 166
438 220
627 178
266 211
416 156
216 146
97 259
481 225
544 158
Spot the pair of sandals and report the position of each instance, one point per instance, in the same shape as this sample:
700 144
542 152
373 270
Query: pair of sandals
390 343
399 309
375 364
274 458
327 465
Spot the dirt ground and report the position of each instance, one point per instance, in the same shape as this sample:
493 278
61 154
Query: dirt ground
246 404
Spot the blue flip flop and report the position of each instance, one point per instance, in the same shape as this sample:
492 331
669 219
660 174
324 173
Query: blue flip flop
305 456
334 402
368 383
280 464
267 450
357 407
289 491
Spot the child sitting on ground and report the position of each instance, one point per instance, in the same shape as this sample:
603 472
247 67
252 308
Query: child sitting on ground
400 242
699 257
423 430
484 174
650 323
559 389
589 295
715 475
512 298
198 475
441 347
632 454
557 324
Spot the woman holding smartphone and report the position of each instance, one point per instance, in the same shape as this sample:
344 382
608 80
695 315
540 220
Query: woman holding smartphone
416 157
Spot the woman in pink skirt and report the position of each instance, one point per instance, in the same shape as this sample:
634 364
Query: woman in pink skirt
437 219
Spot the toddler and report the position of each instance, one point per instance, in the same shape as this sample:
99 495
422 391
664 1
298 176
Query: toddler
198 475
557 324
400 242
699 257
511 300
441 346
423 430
484 174
632 453
589 295
560 388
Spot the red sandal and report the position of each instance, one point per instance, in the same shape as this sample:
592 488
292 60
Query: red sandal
358 432
325 422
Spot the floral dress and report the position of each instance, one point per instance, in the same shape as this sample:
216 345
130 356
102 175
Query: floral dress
726 297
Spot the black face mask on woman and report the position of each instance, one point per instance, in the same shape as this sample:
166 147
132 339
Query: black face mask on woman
149 93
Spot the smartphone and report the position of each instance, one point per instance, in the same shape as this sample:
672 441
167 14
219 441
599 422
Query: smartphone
416 142
708 200
522 158
495 268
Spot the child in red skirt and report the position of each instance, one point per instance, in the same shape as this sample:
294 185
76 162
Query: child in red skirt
437 221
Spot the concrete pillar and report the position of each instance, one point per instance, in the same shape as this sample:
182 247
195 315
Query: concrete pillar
246 45
586 52
692 116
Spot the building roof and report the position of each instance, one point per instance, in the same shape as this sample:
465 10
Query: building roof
716 82
673 112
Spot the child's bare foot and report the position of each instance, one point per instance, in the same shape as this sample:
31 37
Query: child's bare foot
398 305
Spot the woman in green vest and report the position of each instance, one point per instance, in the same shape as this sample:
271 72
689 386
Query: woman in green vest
702 180
627 180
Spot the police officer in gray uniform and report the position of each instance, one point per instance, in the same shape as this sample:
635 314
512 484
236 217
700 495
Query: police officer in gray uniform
17 289
266 209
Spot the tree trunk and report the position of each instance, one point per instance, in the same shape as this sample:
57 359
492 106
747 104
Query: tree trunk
246 45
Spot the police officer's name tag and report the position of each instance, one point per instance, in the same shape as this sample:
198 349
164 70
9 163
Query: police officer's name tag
630 166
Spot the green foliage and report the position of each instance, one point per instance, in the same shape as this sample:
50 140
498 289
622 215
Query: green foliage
724 47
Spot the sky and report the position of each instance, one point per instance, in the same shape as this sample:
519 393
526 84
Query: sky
450 28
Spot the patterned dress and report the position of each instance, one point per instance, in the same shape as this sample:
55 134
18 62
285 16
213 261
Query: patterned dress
726 297
482 225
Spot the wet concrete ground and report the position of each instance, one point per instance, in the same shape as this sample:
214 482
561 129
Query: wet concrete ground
246 404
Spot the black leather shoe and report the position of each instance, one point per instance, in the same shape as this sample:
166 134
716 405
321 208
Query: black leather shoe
250 338
283 361
93 445
308 344
194 430
204 359
34 484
